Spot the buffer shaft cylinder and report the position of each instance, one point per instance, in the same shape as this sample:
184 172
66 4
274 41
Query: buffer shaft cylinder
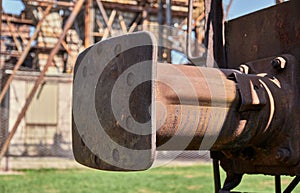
192 104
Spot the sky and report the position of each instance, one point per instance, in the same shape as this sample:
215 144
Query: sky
242 7
238 8
12 6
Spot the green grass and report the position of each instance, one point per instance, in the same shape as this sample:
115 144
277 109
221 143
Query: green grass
164 179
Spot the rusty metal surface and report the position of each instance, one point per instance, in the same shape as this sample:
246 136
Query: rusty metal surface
267 140
214 36
270 32
112 128
261 37
192 104
274 148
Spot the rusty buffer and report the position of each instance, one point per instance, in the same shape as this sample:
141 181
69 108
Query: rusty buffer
127 105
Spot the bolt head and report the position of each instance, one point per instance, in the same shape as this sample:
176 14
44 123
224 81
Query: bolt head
244 69
278 63
283 154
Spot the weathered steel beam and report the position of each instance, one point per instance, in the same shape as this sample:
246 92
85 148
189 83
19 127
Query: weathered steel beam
139 9
181 3
108 21
214 33
122 22
50 2
89 24
13 33
15 19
